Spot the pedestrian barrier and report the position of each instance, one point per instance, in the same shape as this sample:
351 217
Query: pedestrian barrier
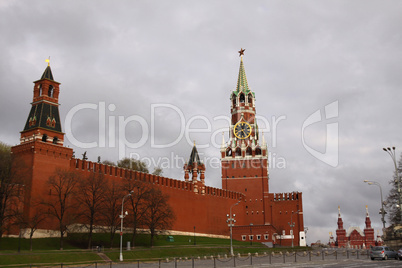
222 260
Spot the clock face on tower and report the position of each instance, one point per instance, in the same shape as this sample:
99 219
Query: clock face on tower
242 130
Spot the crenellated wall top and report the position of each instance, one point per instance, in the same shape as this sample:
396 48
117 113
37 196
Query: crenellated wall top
119 172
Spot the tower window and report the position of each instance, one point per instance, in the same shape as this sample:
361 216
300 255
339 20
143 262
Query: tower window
50 92
238 152
229 152
248 151
55 139
40 90
258 151
250 99
44 137
234 101
242 98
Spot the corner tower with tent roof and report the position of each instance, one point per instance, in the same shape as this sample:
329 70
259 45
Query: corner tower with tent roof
195 167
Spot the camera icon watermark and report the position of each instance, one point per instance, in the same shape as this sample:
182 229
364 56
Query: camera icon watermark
331 154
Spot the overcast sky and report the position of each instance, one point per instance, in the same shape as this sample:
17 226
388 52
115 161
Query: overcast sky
139 77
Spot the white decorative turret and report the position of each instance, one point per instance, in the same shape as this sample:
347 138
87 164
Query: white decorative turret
243 145
264 143
223 145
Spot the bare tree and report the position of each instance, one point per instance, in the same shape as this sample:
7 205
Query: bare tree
33 223
62 186
30 222
111 208
136 203
12 181
392 202
159 215
90 195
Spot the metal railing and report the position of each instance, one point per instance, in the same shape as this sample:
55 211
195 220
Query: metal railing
255 259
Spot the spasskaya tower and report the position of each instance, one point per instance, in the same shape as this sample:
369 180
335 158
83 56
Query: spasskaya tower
244 157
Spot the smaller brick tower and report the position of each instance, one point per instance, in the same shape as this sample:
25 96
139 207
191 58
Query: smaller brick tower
195 167
368 231
340 232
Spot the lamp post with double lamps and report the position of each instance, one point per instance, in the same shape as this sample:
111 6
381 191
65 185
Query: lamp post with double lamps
292 224
231 222
121 224
391 153
382 211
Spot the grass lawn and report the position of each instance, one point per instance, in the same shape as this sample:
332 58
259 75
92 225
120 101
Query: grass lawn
49 257
46 250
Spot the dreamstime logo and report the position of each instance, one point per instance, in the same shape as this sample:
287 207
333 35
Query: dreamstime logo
331 154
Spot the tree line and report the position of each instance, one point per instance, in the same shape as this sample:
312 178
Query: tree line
92 201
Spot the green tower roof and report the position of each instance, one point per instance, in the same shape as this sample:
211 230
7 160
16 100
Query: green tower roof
242 84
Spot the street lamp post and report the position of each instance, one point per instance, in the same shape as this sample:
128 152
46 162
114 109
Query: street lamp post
121 225
231 222
292 224
251 234
391 153
194 236
382 212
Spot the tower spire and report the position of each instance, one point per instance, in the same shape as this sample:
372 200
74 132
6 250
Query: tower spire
368 221
242 84
47 74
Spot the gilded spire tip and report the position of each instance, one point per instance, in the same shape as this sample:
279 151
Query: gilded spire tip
48 61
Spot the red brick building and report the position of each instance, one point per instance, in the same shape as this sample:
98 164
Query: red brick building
260 215
355 237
